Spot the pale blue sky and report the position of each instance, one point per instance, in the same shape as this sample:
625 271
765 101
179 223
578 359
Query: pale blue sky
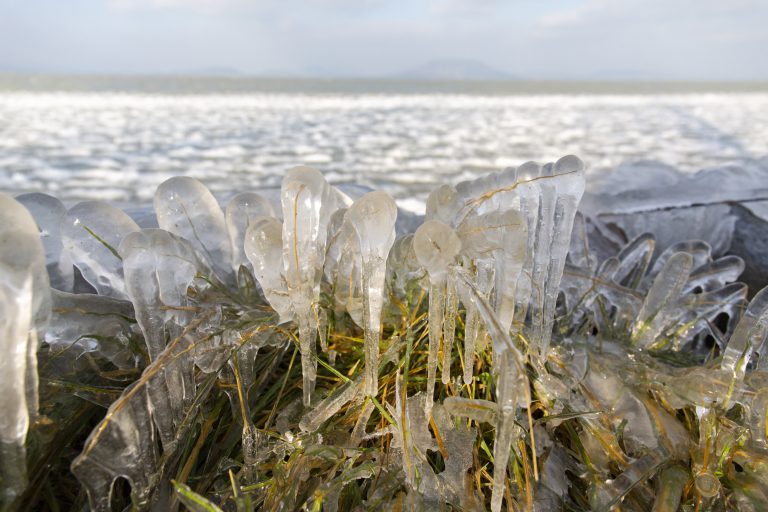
667 39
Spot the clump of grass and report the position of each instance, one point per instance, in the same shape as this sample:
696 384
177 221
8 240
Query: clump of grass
349 462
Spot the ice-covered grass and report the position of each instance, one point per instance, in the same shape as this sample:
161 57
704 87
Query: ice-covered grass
297 368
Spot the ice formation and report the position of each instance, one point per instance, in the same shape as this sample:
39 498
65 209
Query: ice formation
25 307
592 373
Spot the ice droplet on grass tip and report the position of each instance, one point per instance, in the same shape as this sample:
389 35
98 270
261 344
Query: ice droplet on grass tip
91 233
263 247
749 336
185 207
666 288
241 210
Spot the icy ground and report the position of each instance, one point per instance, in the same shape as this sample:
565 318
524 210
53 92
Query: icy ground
119 147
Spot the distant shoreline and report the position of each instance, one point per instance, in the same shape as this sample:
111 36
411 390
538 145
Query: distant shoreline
178 84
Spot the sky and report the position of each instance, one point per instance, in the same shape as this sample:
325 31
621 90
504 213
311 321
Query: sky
535 39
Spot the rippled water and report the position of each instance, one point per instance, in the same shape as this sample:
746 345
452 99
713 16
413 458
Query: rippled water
119 146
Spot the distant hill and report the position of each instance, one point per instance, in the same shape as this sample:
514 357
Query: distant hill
214 71
454 69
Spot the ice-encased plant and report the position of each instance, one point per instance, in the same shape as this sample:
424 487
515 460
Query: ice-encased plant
188 353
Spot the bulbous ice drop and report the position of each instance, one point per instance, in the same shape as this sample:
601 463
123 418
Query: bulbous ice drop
159 268
263 247
48 212
308 202
443 204
240 212
749 337
665 290
185 207
91 233
436 246
343 267
373 218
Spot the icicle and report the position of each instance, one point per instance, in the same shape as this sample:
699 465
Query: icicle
511 388
471 332
436 246
308 202
16 401
449 326
373 218
25 308
239 213
186 208
666 288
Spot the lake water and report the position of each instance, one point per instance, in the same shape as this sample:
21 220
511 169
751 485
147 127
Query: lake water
117 138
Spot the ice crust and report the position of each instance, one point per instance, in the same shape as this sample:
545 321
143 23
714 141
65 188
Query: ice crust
503 259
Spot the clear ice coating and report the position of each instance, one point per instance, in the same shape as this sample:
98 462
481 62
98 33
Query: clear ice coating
613 350
91 233
666 288
240 212
25 307
748 338
263 247
159 267
48 212
373 217
186 208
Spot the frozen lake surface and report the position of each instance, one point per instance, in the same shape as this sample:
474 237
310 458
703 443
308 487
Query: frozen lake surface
120 146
